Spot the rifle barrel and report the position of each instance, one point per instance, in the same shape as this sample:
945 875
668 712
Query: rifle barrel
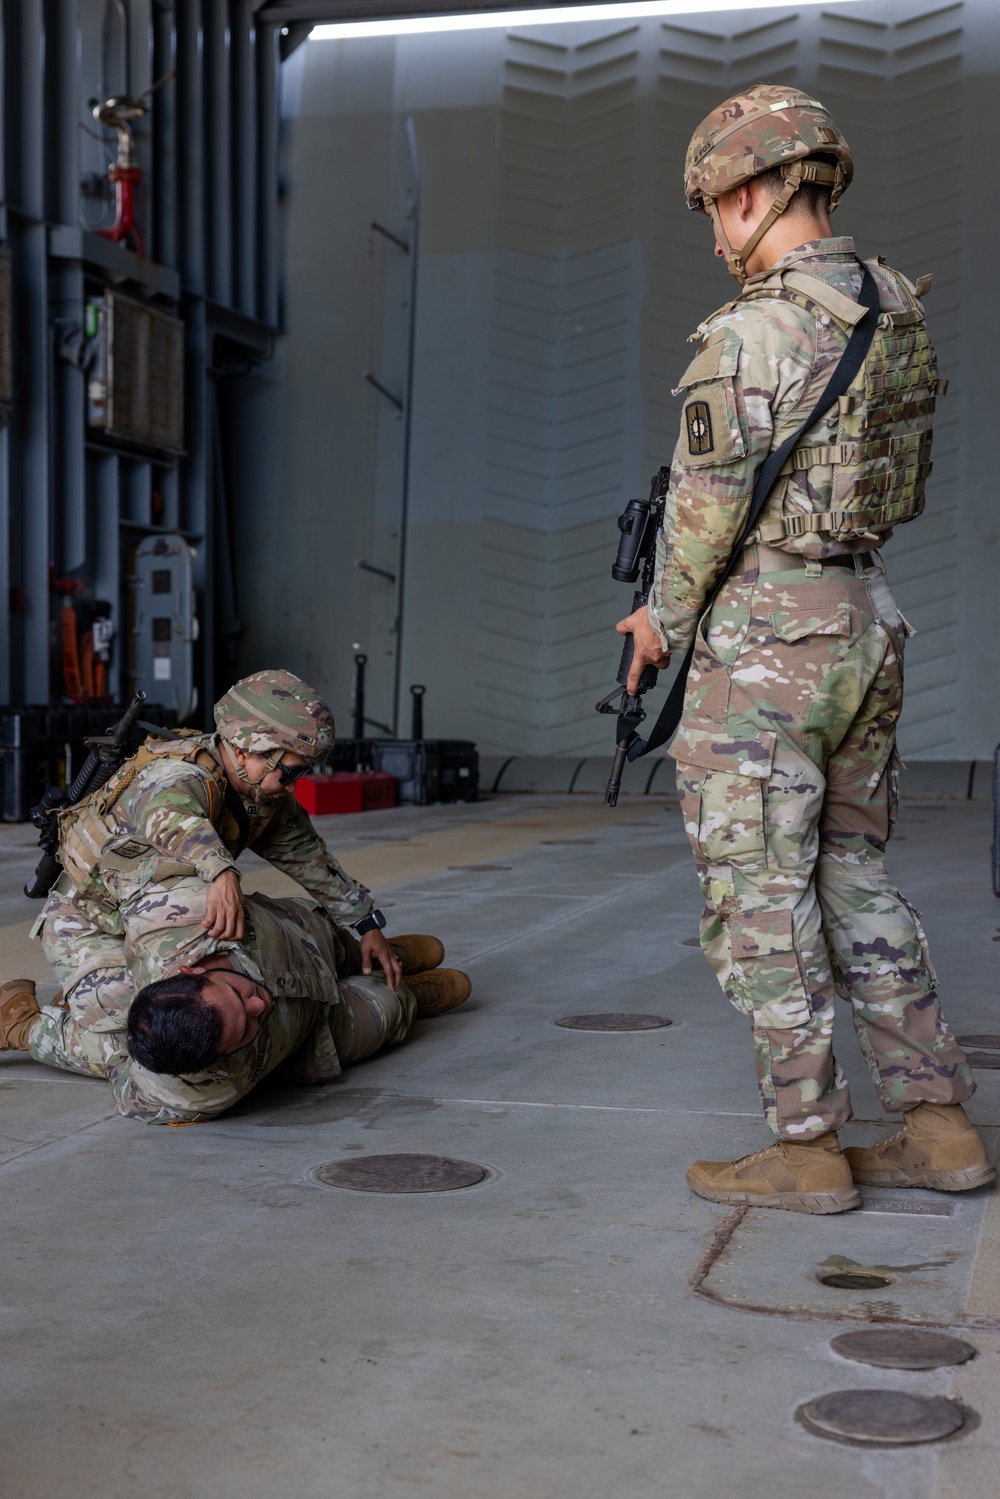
99 766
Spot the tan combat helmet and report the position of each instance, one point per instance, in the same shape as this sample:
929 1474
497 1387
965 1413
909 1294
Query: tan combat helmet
271 713
768 126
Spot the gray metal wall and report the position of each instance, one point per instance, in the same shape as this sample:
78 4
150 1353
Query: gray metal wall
559 277
73 504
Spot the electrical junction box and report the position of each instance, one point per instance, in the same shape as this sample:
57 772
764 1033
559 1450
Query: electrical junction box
164 623
135 380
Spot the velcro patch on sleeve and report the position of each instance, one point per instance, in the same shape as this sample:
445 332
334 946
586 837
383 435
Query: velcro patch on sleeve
715 360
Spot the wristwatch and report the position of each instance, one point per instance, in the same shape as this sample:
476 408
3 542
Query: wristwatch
373 922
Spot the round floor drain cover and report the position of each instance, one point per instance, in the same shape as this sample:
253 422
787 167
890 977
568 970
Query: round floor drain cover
479 868
401 1173
613 1022
899 1349
992 1042
855 1280
983 1058
881 1418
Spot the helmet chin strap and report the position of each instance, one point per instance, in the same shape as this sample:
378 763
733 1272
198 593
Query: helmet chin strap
734 259
795 176
271 762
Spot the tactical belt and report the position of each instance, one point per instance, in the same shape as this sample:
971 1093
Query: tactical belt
771 560
840 381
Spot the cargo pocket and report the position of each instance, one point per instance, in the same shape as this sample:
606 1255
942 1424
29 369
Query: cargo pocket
720 781
892 789
791 625
768 938
925 952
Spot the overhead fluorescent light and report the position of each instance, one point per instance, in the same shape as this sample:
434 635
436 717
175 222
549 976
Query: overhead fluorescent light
621 10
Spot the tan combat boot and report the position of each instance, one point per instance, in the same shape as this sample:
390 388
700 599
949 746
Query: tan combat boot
806 1176
937 1147
18 1013
439 990
416 953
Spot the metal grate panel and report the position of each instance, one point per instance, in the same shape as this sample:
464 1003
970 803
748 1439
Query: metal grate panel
145 373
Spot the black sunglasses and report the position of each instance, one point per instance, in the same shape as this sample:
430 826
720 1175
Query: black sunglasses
289 773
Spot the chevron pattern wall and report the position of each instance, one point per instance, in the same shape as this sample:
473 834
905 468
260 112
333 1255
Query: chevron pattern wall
896 83
564 424
601 275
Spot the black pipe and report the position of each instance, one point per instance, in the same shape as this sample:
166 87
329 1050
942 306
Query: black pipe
358 695
417 722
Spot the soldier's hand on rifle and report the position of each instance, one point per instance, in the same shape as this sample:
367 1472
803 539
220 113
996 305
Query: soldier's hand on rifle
647 647
375 949
224 916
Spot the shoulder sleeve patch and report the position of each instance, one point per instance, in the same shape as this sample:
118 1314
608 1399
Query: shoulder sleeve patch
698 428
711 432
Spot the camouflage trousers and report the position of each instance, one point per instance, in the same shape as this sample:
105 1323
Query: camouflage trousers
84 945
86 1032
787 777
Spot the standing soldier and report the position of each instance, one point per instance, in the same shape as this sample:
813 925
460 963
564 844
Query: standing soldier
787 765
183 805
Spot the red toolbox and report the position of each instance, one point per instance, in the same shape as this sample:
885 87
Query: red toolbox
346 791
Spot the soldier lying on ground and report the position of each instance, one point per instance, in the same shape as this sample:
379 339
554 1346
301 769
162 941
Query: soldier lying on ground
213 1016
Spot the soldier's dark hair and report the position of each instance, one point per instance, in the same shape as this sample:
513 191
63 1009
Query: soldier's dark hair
171 1028
811 196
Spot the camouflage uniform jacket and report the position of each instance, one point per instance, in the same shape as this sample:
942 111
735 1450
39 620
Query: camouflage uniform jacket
173 819
762 366
291 947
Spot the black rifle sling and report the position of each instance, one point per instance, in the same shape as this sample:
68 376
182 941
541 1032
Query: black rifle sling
850 363
239 814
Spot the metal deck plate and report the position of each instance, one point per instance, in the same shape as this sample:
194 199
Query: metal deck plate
770 1262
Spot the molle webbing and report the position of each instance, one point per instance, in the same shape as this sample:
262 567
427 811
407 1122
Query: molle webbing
179 748
85 829
843 453
880 462
839 522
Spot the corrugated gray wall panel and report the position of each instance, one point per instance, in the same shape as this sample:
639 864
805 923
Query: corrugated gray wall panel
560 277
564 428
893 75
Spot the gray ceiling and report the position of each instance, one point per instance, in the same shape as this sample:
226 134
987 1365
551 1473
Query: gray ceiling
285 12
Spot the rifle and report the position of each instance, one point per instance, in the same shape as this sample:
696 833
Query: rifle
639 524
107 752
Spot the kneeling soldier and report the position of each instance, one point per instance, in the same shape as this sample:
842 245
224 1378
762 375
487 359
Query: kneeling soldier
184 806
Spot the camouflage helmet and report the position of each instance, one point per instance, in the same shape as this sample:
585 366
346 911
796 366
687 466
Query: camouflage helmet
766 126
274 710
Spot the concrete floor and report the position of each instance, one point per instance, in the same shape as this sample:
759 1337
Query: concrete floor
188 1313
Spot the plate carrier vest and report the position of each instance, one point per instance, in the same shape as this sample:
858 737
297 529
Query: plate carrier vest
86 829
881 459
